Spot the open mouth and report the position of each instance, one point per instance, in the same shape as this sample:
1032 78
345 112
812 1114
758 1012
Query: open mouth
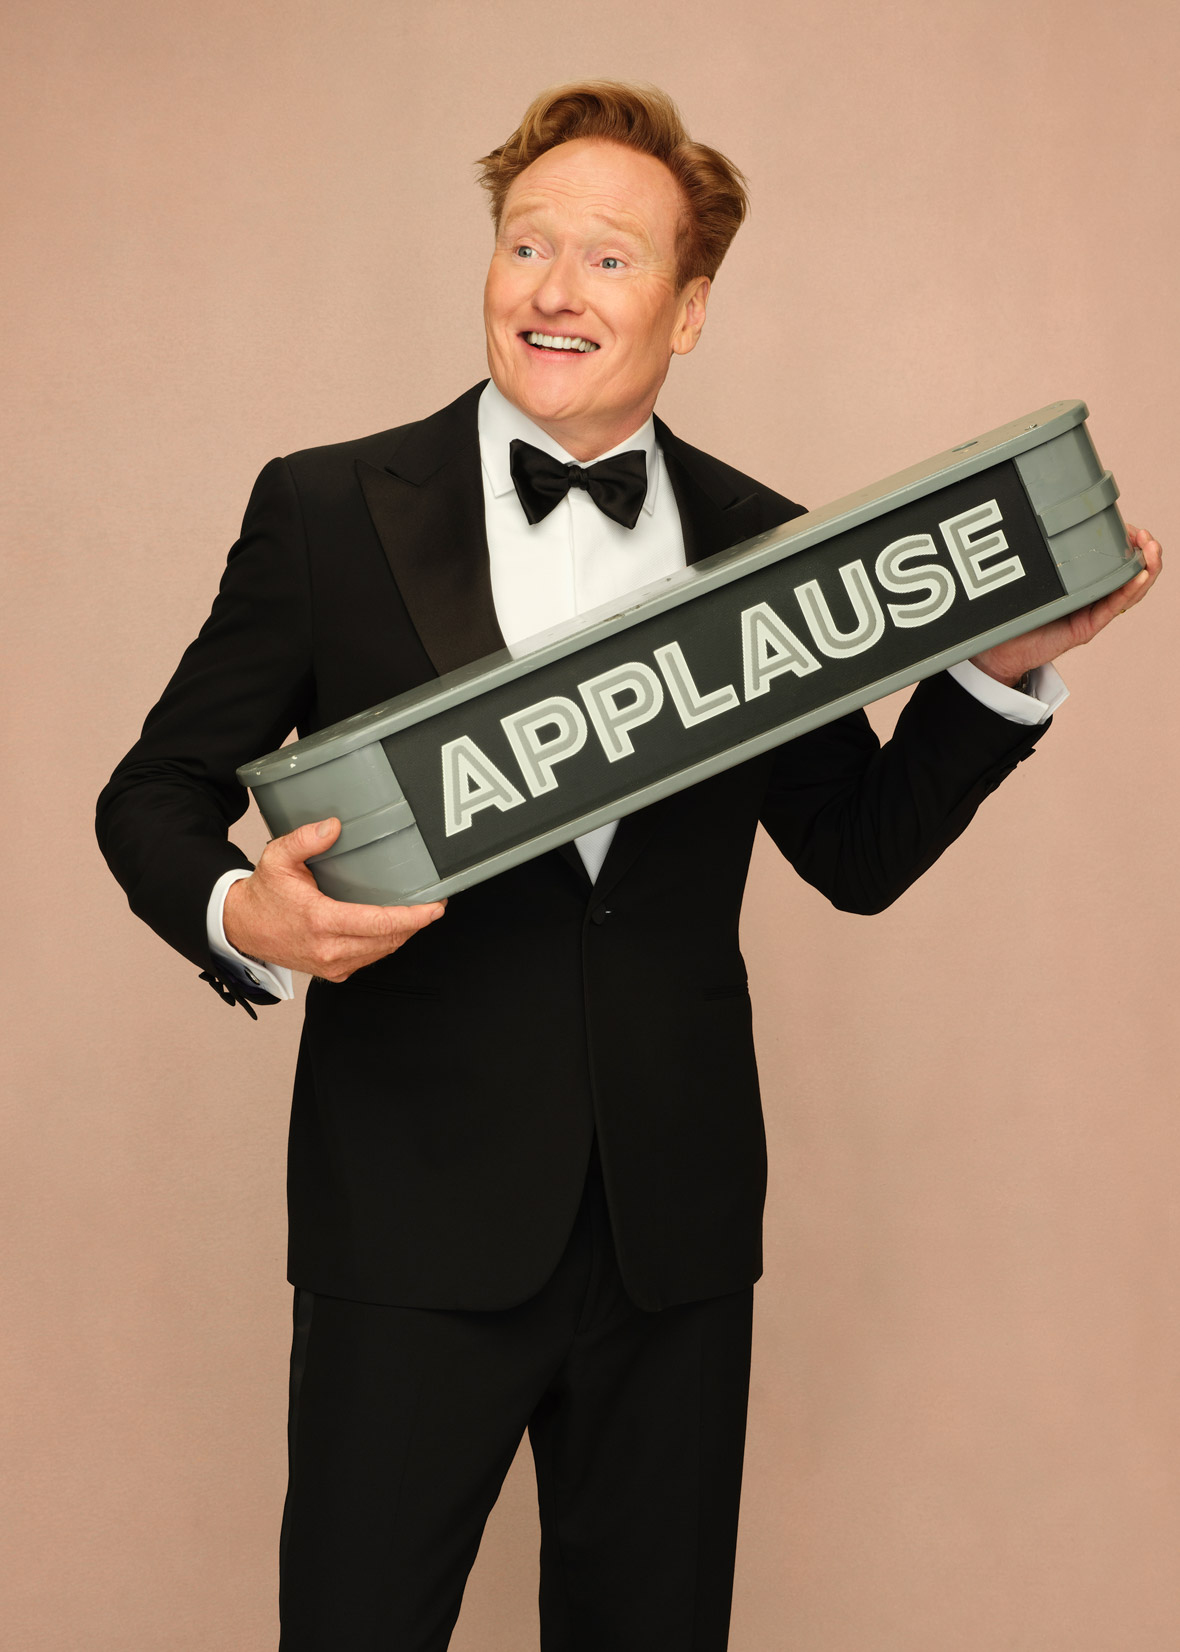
560 343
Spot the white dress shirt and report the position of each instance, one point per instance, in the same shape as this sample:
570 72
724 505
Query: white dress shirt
573 560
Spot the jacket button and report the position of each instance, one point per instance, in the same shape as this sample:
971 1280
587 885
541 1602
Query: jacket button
600 914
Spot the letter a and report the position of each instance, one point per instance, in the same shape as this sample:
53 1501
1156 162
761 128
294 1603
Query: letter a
770 647
471 781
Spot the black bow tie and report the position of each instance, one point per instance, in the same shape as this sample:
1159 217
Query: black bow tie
618 486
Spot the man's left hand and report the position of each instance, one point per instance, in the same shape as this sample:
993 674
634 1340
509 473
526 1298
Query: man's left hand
1009 661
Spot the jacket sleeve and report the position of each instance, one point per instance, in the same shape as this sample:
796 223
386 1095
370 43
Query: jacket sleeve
861 821
241 686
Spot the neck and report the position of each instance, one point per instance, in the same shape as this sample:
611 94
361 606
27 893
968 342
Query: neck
587 438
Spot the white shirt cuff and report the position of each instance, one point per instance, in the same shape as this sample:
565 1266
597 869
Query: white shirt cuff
270 977
1046 693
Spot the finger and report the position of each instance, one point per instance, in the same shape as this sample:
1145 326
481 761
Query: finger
294 848
350 919
417 917
1100 613
1110 607
1151 553
347 936
1148 547
1136 589
402 923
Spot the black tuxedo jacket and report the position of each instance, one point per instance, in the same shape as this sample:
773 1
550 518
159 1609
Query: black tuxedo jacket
446 1096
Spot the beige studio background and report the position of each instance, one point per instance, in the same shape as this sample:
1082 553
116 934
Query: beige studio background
240 230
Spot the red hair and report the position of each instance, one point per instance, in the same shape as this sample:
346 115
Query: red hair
642 118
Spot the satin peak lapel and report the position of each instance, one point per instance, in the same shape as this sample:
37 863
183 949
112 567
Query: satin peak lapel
427 507
714 514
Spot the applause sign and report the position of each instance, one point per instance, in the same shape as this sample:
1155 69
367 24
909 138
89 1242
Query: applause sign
467 775
745 658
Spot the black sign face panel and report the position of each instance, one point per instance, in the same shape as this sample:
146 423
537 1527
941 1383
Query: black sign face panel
723 668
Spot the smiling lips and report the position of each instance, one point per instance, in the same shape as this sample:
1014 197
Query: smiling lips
559 342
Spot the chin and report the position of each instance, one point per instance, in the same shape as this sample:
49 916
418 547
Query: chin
550 404
539 402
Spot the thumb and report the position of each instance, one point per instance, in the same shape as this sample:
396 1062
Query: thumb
312 838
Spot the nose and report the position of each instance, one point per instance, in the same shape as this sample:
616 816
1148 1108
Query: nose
559 290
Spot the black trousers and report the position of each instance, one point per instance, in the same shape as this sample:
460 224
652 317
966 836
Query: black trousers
405 1421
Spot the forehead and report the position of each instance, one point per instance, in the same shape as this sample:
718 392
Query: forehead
598 184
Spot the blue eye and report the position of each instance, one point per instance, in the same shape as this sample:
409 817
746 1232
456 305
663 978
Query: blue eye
611 260
523 252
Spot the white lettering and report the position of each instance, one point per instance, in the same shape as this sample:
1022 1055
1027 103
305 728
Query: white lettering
691 704
770 647
612 721
968 553
870 621
471 781
930 577
536 756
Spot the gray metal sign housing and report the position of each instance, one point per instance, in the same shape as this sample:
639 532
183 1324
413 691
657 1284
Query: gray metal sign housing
485 767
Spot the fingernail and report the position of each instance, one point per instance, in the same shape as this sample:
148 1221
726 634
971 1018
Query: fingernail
324 827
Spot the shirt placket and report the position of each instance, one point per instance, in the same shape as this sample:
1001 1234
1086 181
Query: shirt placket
581 548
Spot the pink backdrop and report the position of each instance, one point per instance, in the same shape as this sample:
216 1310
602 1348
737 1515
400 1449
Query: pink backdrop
243 230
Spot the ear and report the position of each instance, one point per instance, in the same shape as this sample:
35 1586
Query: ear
690 317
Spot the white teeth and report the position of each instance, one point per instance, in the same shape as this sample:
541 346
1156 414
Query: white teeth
552 341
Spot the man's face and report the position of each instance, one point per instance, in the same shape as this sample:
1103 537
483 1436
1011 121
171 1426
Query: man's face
586 253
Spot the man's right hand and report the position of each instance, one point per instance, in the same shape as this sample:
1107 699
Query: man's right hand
278 916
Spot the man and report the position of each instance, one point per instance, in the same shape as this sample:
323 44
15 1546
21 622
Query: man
527 1163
